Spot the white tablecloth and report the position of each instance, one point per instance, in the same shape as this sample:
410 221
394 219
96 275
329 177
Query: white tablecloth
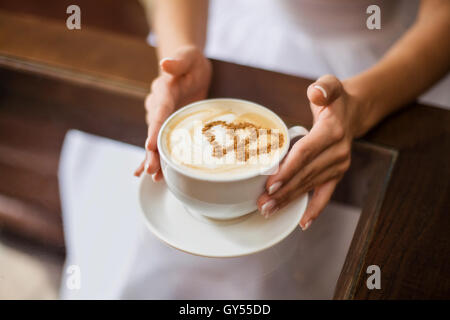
119 258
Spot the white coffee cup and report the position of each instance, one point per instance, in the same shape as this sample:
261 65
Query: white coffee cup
218 197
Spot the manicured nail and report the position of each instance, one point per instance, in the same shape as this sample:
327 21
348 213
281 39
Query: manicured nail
325 95
153 178
307 225
267 207
166 59
274 187
147 162
147 141
268 215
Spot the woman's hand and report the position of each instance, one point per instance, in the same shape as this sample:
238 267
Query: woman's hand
319 159
185 78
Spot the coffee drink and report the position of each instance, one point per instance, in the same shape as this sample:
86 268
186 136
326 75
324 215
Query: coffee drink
224 138
215 155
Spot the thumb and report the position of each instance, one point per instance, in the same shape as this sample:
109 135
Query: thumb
325 90
176 67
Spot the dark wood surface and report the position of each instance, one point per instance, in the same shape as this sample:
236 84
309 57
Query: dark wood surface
411 241
406 233
120 16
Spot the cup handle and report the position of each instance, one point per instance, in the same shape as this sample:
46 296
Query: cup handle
296 131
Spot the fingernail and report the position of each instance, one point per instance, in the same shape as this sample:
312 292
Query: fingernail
268 215
147 141
147 164
274 187
153 178
166 59
267 207
325 95
307 225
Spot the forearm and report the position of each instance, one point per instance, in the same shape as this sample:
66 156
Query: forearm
179 23
419 59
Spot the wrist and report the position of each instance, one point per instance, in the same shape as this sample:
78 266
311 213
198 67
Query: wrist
361 104
171 51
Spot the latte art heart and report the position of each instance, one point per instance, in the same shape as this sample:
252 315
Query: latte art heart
225 139
242 136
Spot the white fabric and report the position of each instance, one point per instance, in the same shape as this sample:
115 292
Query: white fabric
310 38
119 258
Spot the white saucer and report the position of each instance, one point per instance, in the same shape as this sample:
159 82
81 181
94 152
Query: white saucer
168 219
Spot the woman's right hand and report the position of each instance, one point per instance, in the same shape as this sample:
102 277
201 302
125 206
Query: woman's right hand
184 78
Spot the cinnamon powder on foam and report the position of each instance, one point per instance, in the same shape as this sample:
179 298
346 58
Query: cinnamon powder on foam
241 148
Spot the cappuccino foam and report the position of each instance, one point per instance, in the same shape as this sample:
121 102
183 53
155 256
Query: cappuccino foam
225 138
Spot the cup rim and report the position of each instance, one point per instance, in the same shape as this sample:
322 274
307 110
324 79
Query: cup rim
184 171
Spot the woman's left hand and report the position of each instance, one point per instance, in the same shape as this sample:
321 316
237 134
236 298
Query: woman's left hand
318 160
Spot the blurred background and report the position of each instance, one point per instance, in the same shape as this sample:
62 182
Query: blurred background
31 237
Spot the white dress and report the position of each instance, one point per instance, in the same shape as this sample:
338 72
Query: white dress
310 38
